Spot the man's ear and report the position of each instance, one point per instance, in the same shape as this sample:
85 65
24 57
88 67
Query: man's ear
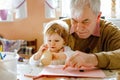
98 17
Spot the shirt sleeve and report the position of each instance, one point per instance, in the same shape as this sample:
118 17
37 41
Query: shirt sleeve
109 57
33 62
68 51
109 60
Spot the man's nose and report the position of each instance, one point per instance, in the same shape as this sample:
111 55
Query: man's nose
80 26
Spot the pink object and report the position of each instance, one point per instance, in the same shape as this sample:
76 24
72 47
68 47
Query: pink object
57 70
3 14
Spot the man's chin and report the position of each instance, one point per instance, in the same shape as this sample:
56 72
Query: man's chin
83 36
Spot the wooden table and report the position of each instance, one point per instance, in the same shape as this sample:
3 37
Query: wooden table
25 68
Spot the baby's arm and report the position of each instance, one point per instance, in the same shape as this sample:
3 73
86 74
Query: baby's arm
38 55
35 59
32 61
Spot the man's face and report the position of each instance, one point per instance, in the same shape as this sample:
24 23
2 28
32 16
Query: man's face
84 24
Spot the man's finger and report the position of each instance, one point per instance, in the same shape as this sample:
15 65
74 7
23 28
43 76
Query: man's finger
65 67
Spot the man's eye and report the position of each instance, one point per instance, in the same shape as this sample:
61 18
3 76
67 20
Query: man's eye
73 21
85 22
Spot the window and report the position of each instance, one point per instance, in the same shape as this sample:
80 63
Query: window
50 8
65 8
12 9
109 8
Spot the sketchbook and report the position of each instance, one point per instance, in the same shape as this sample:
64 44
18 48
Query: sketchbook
57 71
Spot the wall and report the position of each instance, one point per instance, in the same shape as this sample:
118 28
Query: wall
29 28
115 21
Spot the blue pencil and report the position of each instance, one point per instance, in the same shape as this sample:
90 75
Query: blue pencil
1 56
4 56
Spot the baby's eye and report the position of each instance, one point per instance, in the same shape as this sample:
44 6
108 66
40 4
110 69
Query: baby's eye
56 40
49 40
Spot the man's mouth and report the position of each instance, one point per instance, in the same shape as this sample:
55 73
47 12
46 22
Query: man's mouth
52 47
82 33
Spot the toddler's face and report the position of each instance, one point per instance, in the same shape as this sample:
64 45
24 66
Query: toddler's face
55 42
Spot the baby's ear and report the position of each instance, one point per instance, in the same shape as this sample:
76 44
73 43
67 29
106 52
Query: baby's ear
64 42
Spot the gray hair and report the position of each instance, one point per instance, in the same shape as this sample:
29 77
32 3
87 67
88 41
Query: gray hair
78 5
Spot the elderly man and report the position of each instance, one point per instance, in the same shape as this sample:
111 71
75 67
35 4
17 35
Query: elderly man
96 42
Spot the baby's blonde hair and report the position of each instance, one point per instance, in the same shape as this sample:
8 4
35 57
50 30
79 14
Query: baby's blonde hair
57 26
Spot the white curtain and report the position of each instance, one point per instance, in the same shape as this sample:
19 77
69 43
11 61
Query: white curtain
20 9
6 4
50 8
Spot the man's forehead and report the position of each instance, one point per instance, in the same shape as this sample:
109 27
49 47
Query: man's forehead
81 13
76 13
80 18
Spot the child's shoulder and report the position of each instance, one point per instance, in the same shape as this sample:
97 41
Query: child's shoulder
66 48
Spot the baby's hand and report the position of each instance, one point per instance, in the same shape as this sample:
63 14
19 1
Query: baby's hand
46 58
59 56
40 51
43 48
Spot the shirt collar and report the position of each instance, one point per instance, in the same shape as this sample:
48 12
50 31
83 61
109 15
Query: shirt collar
97 30
72 30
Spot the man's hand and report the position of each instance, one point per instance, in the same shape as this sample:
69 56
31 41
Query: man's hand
80 59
